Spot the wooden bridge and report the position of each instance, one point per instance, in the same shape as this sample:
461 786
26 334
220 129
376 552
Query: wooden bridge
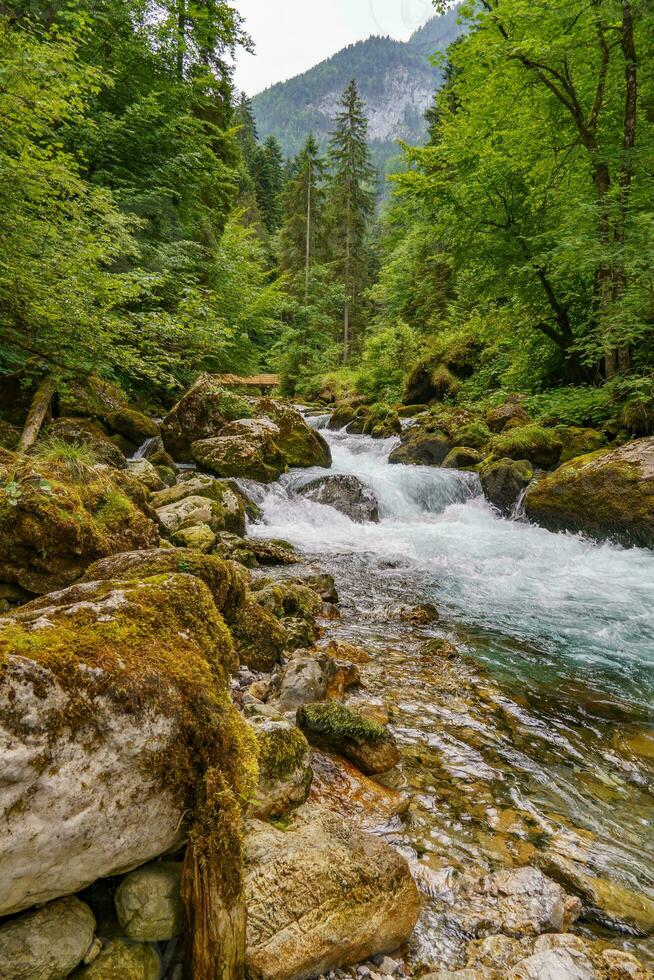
256 381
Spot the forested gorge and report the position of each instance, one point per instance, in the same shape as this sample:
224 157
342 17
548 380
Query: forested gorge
326 503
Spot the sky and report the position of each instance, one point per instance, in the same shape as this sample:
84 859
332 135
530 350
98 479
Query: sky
293 35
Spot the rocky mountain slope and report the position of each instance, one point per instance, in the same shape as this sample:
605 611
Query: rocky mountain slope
396 79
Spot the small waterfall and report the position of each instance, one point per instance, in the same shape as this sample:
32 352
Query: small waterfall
146 449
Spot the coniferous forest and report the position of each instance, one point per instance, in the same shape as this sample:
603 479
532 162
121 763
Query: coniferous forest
326 499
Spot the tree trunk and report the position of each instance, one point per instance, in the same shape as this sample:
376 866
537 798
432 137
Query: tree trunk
181 37
346 332
307 261
37 413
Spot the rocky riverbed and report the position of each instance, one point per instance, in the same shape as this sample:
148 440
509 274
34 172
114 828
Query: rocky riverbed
272 706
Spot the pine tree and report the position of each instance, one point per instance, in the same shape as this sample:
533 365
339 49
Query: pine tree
302 240
351 203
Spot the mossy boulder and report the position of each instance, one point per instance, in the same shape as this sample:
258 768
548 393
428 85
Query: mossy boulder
52 528
511 411
46 943
289 599
474 434
114 704
504 480
300 444
542 447
259 636
226 508
200 414
143 470
93 398
285 772
122 960
422 445
607 494
197 537
82 432
341 416
149 903
462 458
248 449
579 442
331 725
132 425
253 551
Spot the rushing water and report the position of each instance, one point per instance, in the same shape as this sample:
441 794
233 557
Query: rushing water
557 745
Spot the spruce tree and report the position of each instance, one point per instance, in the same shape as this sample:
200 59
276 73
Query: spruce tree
351 204
302 240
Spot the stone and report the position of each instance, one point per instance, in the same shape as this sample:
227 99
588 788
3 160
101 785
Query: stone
201 413
321 583
58 526
340 417
197 485
191 511
285 772
123 960
504 481
520 902
82 432
511 411
252 455
143 470
579 442
321 894
440 648
104 690
305 679
554 964
46 943
346 494
149 904
133 425
540 447
423 615
607 494
259 636
331 725
199 537
344 789
497 952
301 445
422 446
620 965
462 458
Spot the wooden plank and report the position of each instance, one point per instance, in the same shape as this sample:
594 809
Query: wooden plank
258 380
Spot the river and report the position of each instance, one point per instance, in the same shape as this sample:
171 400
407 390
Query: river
548 747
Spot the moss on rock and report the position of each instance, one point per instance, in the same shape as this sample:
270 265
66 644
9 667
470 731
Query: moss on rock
201 413
332 725
541 447
579 442
82 432
132 425
300 444
259 636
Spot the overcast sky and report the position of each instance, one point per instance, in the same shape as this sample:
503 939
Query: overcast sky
293 35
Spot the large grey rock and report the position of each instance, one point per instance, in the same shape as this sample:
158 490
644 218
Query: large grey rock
309 678
554 964
322 894
149 904
48 943
143 470
121 960
346 494
422 447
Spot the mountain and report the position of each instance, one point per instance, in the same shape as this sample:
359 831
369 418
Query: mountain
395 78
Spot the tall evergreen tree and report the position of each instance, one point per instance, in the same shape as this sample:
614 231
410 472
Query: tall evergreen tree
302 241
351 203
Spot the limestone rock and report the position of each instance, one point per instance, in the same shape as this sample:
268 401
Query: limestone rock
250 453
121 960
346 494
344 789
579 442
306 679
149 904
462 458
422 446
605 494
285 772
143 470
46 943
199 537
503 481
191 511
133 425
322 894
300 444
201 413
511 411
554 964
82 432
541 447
259 636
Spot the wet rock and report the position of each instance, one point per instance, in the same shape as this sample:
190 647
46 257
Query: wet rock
101 689
121 960
82 432
321 894
133 425
306 679
47 943
201 413
504 480
341 416
620 965
520 902
462 458
442 649
58 525
540 447
344 789
497 953
247 449
286 598
344 651
323 584
300 633
259 636
285 772
149 904
143 470
554 964
300 444
420 446
605 494
346 494
203 510
422 615
331 725
511 411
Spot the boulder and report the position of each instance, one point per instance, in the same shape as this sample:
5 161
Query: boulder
94 398
201 413
109 693
341 416
309 678
121 960
462 458
149 903
203 510
300 444
143 470
321 583
82 432
511 411
605 494
344 789
541 447
519 902
132 425
259 636
504 480
422 446
345 493
255 551
247 450
46 943
331 725
285 598
579 442
285 772
322 894
198 537
53 526
554 964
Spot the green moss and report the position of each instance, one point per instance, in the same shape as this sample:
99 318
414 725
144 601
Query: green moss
282 751
579 442
542 447
334 721
114 511
260 638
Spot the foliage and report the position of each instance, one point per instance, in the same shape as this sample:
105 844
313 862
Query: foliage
75 459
